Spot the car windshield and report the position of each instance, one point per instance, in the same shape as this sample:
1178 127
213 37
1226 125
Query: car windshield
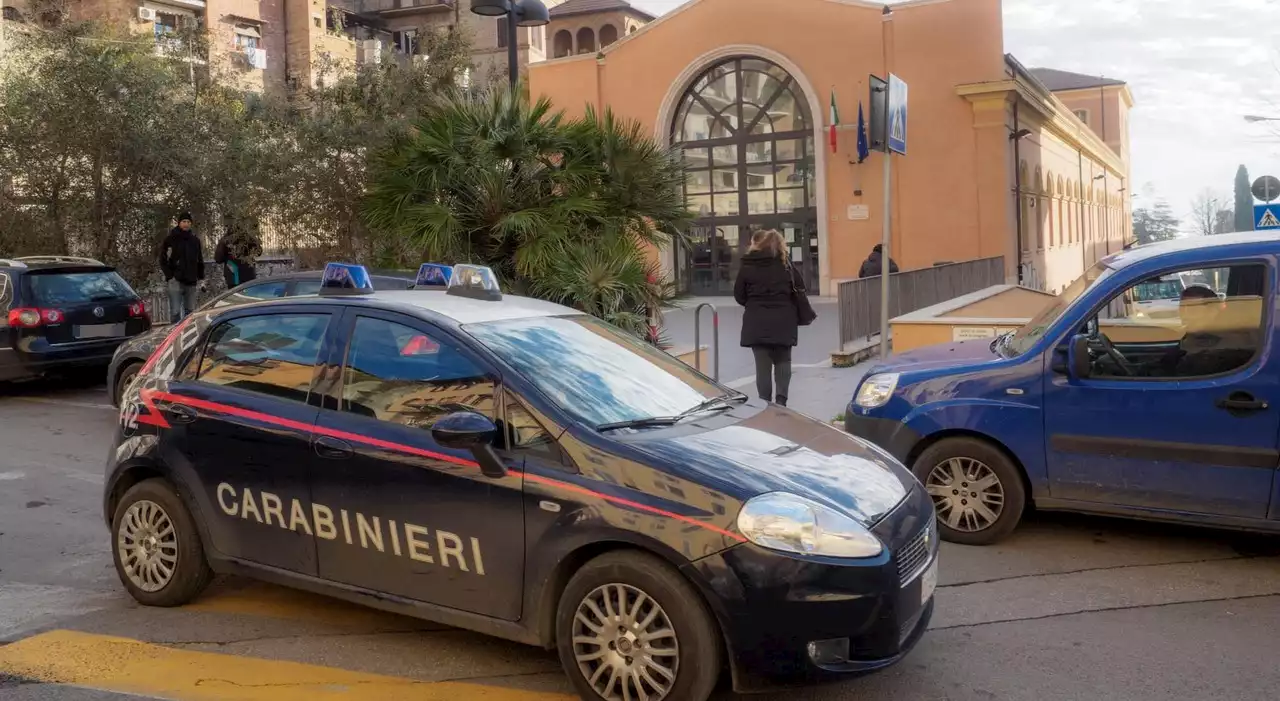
1022 339
64 288
595 372
1153 290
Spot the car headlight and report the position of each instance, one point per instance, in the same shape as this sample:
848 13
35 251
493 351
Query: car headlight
786 522
876 390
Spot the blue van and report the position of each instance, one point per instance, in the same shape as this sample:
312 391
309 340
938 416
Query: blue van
1096 406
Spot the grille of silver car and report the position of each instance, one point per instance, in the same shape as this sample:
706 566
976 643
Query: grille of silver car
914 556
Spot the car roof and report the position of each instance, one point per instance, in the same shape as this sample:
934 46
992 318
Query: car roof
456 308
1190 247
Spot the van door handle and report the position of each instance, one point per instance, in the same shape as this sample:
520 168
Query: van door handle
332 448
1242 401
182 414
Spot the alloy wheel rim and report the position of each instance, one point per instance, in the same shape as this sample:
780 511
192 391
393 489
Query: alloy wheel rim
148 546
967 493
625 645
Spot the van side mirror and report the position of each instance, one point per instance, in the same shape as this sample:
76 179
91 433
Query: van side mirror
466 430
1078 359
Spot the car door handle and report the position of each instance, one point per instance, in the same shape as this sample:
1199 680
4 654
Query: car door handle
332 448
1242 401
182 414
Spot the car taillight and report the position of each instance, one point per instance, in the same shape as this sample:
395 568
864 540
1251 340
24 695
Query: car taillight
138 309
30 318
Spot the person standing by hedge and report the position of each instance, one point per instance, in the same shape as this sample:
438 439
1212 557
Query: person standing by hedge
238 253
182 262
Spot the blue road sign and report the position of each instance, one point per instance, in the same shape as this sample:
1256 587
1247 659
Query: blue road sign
897 115
1266 216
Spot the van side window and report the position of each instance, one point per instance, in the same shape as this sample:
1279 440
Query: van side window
1187 324
6 296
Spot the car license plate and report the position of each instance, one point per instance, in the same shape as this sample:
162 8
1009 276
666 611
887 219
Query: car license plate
929 582
100 331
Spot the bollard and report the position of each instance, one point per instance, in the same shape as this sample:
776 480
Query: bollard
715 339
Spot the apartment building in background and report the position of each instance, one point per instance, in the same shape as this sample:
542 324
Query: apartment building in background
282 44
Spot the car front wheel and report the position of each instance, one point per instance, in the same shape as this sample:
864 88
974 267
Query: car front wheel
126 378
976 489
157 551
631 627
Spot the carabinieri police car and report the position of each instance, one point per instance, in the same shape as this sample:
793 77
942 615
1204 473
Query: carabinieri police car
518 468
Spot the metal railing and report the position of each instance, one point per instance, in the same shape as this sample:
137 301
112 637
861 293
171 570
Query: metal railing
157 298
859 300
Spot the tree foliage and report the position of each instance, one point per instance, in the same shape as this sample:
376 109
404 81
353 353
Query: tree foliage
561 209
104 139
1157 223
1207 211
1243 215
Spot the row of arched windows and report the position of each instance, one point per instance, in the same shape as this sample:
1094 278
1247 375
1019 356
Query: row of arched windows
566 43
1057 211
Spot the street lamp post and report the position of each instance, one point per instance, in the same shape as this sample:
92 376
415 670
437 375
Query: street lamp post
519 13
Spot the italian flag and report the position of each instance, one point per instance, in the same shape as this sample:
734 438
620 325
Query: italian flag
835 121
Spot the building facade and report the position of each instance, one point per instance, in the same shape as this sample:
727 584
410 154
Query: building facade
586 26
278 44
744 88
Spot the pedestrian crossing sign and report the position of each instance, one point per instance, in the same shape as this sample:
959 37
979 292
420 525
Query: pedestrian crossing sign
1266 216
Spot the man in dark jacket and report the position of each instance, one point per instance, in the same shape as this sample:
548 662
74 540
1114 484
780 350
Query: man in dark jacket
238 253
874 264
182 262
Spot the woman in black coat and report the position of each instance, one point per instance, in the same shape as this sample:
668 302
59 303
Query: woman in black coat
770 322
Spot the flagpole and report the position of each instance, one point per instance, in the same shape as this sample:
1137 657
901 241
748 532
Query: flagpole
886 250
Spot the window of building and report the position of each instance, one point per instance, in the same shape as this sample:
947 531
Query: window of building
247 37
166 24
399 374
1083 115
586 40
563 44
318 22
538 38
272 354
608 35
406 41
502 32
1185 324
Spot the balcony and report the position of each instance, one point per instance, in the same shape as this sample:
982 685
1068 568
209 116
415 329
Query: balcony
402 8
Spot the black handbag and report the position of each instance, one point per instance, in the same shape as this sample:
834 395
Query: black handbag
804 310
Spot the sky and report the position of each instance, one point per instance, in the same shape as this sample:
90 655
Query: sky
1195 68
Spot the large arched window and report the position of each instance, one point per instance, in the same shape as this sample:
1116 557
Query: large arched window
563 44
747 137
608 35
586 40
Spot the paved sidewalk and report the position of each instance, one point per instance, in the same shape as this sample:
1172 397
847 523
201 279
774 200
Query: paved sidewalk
819 391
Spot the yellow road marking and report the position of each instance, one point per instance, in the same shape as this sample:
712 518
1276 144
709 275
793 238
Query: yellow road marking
130 666
268 601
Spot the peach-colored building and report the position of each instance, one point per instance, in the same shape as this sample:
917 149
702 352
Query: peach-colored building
997 156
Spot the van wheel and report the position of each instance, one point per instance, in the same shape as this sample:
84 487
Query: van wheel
157 551
976 489
629 626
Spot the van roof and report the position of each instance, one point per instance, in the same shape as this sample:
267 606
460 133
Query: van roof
1246 243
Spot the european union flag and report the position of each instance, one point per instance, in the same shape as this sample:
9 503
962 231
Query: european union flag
864 149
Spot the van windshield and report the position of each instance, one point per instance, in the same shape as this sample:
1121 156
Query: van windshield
1022 339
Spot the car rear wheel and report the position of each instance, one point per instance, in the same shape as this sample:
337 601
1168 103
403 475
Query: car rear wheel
126 377
630 627
976 489
157 551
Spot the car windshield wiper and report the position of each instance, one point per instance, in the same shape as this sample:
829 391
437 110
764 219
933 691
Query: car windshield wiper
718 402
647 422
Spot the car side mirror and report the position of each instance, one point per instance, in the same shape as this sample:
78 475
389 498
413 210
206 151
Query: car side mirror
1078 359
467 430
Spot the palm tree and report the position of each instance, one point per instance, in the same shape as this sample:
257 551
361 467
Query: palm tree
561 209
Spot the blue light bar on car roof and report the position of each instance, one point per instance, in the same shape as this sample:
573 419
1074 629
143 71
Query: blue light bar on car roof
475 281
433 275
345 279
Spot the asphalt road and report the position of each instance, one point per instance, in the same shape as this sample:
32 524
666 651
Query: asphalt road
1070 608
